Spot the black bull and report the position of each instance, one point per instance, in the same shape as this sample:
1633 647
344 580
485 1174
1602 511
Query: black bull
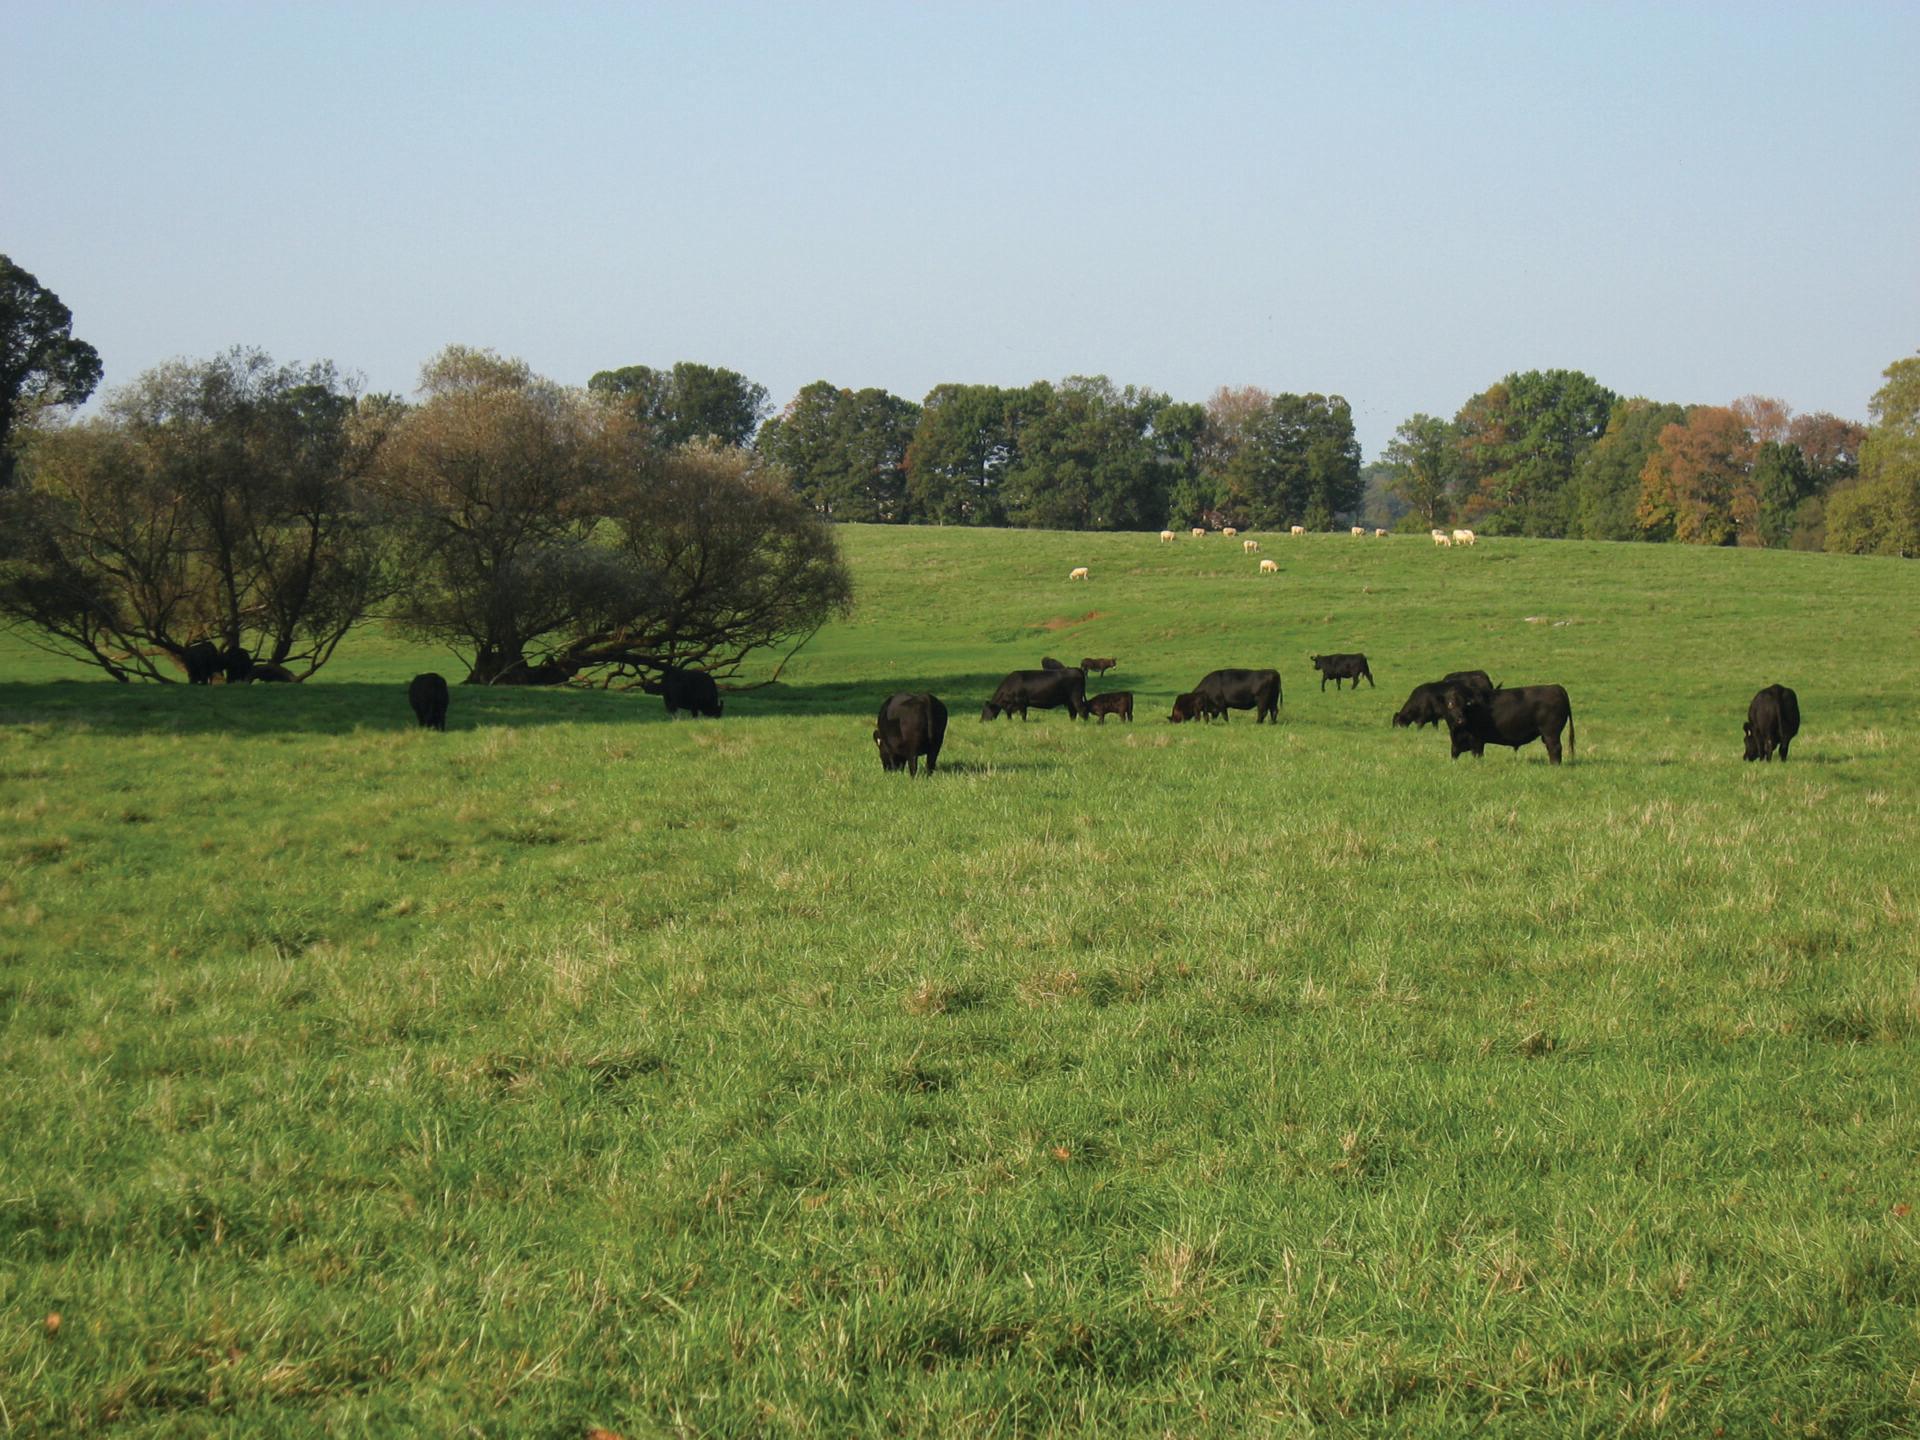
1509 717
910 726
1041 690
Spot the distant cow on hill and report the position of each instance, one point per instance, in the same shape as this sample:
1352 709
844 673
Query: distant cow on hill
1118 702
1341 667
1773 719
1099 665
1509 717
1047 662
1224 690
910 726
428 695
691 690
1040 690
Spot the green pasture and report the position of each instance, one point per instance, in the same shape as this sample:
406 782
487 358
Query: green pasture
580 1069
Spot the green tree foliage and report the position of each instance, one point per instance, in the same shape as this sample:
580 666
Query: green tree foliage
1088 459
1297 463
688 402
1879 514
967 438
41 364
217 501
1604 494
1422 463
846 450
1767 507
545 534
1520 442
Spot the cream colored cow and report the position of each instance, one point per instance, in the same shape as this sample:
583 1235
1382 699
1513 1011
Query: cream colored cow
1198 533
1250 546
1228 531
1379 534
1360 532
1463 537
1166 537
1079 572
1298 530
1440 538
1268 567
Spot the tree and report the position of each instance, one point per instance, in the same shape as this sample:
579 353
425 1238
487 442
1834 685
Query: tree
545 534
41 364
1423 460
1879 514
966 439
1688 487
1604 495
1088 458
1297 463
1520 442
717 557
489 487
845 450
1767 506
214 502
689 402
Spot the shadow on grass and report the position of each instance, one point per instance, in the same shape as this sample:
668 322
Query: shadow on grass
323 707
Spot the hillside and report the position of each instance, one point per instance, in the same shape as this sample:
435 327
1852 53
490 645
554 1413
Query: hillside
575 1068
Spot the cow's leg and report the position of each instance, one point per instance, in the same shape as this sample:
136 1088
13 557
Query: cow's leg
1783 750
1552 741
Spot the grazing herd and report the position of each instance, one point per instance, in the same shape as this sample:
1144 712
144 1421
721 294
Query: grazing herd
912 726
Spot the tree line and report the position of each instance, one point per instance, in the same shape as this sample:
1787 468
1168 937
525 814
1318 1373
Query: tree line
663 517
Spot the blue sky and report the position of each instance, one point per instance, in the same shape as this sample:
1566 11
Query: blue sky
1397 204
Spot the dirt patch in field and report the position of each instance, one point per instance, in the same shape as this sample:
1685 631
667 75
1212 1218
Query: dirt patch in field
1067 622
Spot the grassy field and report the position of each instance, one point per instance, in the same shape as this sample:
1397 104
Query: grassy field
577 1069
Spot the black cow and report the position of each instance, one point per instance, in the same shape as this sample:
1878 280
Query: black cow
202 659
1041 689
1047 662
1185 707
1509 717
265 672
1425 705
1099 666
1773 719
428 695
1224 690
237 665
691 690
910 726
1341 667
1120 703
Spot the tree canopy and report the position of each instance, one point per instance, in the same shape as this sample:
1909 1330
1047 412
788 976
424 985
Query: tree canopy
41 364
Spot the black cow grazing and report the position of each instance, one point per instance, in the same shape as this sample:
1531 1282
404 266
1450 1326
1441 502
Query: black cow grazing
1185 707
428 696
237 665
202 659
1773 719
690 690
910 726
1099 666
1047 662
264 672
1041 689
1425 706
1120 703
1509 717
1224 690
1341 667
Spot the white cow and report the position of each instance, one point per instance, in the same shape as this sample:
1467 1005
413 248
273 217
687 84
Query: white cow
1440 538
1463 537
1267 567
1250 546
1166 537
1360 532
1298 530
1379 534
1198 533
1228 531
1079 572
